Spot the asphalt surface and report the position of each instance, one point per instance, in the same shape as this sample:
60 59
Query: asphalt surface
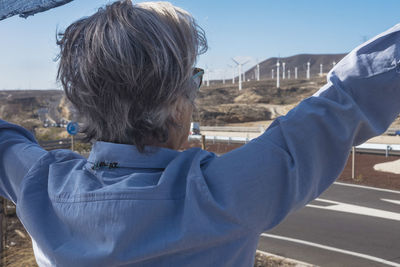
345 226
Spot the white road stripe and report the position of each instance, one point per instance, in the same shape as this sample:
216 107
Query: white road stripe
391 201
354 209
328 201
369 187
343 251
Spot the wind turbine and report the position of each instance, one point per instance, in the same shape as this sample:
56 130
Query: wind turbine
308 69
295 73
244 72
283 70
240 71
207 77
277 74
320 69
257 69
233 72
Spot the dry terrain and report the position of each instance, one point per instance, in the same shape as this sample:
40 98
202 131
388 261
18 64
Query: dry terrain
222 104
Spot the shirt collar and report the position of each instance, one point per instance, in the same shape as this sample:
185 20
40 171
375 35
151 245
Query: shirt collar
128 155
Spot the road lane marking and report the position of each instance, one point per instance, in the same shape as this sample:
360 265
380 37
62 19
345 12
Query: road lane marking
368 187
391 201
354 209
343 251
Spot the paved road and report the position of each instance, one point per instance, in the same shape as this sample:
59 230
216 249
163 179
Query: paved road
345 226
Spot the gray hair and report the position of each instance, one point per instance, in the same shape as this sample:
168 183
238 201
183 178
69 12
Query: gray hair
125 67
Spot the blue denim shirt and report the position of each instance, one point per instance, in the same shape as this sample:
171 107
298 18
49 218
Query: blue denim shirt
193 208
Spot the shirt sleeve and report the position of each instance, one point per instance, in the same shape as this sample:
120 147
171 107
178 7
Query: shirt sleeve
302 153
18 152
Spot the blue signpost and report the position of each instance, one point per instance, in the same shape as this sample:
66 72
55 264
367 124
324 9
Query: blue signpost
72 129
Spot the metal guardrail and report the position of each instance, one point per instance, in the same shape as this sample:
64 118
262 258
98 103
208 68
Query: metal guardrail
232 129
222 139
385 149
390 131
382 149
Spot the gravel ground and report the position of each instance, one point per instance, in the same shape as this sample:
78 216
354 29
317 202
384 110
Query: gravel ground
366 175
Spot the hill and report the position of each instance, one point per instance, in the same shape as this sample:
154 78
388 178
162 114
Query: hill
25 106
32 108
221 104
299 61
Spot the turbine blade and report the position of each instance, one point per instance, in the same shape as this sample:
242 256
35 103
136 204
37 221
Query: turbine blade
237 63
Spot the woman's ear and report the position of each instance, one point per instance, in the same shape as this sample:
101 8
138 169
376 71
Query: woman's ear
178 111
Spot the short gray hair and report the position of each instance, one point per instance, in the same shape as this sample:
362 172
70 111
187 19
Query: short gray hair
124 67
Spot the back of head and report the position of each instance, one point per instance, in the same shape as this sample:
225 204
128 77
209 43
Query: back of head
124 67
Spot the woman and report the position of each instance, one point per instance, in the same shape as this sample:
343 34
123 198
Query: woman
137 201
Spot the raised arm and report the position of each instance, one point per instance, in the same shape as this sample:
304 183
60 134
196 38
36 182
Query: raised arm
302 153
18 152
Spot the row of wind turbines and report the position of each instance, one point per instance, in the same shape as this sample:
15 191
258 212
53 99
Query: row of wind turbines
308 75
241 74
279 66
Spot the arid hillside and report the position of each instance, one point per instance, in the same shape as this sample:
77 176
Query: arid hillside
27 106
222 104
33 108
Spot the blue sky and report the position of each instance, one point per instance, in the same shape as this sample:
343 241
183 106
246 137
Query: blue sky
257 29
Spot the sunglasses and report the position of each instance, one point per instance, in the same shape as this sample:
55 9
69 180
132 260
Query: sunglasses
198 76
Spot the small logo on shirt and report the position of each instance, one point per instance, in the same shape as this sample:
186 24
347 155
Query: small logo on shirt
110 165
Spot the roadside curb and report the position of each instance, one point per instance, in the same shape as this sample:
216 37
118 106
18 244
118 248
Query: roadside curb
281 261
